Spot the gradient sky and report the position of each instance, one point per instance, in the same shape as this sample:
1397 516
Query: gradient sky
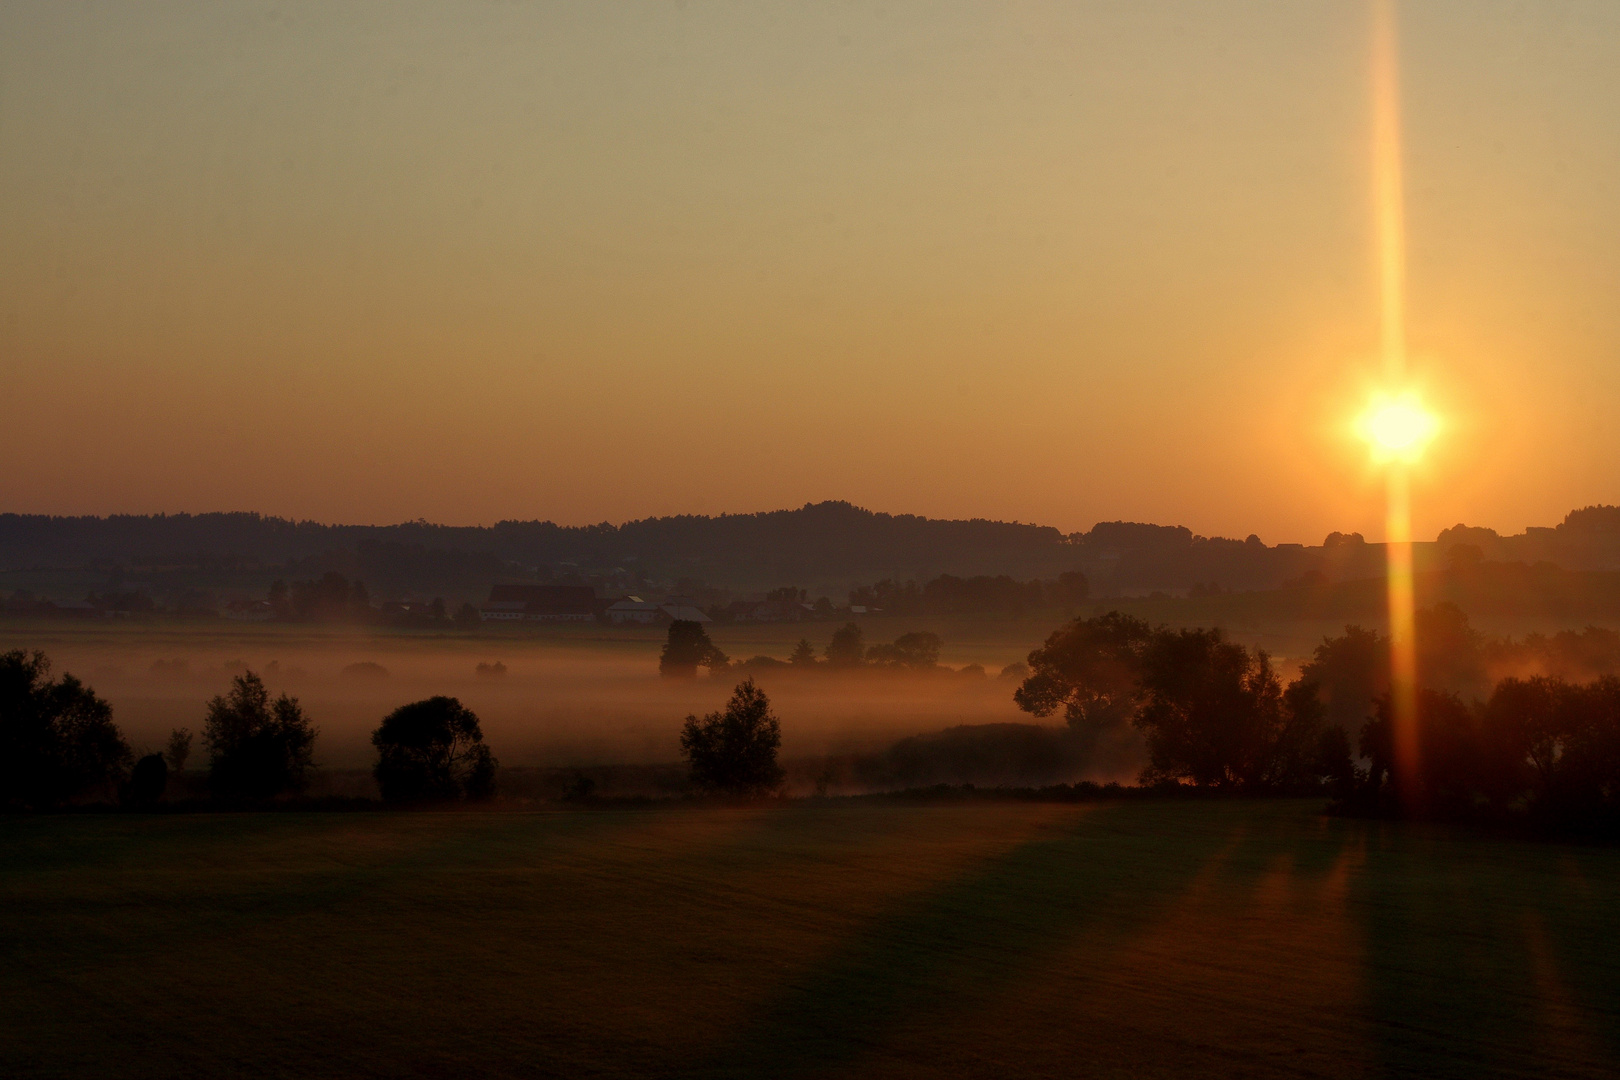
1060 262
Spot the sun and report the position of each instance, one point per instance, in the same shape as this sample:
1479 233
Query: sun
1399 428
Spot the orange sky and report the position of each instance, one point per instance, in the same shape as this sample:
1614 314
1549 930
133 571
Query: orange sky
1053 262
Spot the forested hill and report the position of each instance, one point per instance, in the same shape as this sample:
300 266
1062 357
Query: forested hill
824 546
830 542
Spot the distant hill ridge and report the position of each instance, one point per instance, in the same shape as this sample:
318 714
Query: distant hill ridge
821 545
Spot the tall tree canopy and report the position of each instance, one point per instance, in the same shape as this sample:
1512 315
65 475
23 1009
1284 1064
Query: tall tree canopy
734 751
432 749
1212 712
1090 668
58 741
257 748
1216 714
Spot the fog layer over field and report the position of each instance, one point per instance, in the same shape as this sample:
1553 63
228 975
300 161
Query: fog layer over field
561 700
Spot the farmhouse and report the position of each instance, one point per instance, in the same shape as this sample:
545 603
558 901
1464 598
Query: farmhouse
539 603
633 609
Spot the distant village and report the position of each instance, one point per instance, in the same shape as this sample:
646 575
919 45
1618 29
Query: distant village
335 599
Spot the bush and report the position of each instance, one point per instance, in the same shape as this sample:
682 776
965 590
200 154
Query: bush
57 738
432 750
734 752
257 749
147 781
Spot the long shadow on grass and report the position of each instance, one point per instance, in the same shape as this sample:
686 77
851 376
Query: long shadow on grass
961 942
1484 960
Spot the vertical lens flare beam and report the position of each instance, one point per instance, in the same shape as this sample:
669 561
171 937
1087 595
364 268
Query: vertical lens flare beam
1388 191
1390 213
1402 632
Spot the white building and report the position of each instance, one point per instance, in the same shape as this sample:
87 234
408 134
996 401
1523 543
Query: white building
633 609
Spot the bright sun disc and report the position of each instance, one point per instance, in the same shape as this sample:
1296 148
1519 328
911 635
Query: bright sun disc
1399 428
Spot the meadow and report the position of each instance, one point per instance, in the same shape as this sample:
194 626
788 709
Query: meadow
819 938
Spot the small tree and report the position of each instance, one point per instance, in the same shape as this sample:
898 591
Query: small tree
433 749
804 654
847 648
734 752
257 748
147 781
467 617
178 749
687 647
57 738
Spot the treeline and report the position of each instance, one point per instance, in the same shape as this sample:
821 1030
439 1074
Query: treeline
334 598
1452 656
825 545
830 541
948 594
1215 714
1540 750
688 648
59 746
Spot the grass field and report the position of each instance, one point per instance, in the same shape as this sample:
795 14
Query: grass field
837 939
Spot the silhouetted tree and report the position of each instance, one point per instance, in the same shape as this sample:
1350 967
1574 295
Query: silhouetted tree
917 651
148 780
1450 652
1524 731
847 649
1335 761
1211 710
1589 766
579 788
432 749
734 752
1071 588
257 748
467 617
1350 671
804 654
57 738
331 597
1446 774
1091 668
1539 749
687 647
178 749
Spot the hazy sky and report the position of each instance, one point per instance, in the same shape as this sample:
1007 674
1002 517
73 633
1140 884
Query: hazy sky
1060 262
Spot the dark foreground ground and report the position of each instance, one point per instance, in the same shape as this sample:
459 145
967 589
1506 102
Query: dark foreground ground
985 939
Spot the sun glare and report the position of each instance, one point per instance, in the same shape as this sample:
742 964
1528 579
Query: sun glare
1399 428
